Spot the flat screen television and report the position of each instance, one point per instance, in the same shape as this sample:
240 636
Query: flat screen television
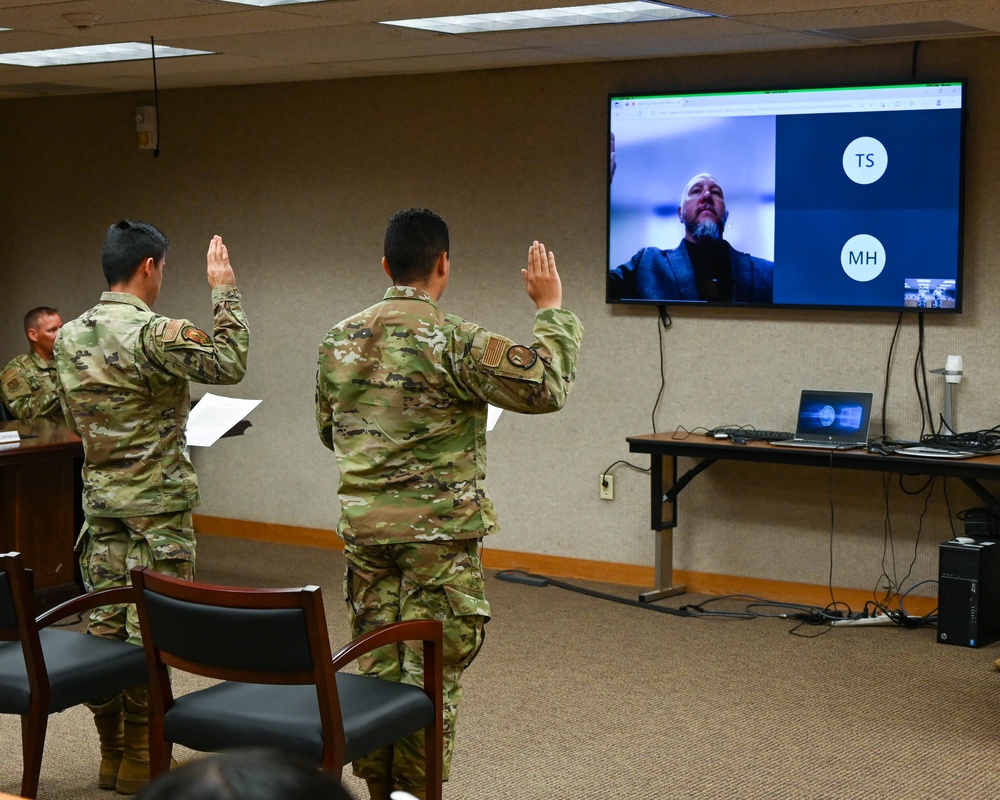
837 198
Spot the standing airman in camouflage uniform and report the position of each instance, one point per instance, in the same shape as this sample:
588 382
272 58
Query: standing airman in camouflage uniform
28 381
401 397
125 372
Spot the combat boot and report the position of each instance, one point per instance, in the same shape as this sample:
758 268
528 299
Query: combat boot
379 788
108 719
133 774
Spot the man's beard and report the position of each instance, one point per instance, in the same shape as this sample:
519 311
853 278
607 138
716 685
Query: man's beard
706 230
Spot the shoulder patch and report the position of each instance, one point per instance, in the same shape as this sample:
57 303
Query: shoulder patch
197 336
521 356
172 329
13 383
493 351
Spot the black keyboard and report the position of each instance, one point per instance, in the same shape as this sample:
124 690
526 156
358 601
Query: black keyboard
751 434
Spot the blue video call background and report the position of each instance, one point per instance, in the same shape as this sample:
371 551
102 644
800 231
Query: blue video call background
913 209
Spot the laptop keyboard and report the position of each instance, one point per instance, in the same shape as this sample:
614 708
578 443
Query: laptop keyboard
752 434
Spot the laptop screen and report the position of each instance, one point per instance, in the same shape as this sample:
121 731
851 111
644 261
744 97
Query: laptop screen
834 416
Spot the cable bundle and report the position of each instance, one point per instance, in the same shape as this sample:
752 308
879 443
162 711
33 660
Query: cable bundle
984 441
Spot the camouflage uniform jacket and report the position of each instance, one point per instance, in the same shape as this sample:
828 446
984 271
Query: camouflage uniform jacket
124 372
401 397
30 387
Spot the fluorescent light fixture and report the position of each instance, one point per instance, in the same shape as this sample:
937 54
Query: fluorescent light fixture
641 11
95 54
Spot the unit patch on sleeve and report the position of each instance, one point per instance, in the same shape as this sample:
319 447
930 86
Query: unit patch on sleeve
521 356
15 386
197 336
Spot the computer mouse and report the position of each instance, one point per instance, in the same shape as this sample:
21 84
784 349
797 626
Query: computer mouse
721 435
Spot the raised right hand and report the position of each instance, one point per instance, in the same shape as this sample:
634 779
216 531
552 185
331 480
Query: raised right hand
220 273
541 280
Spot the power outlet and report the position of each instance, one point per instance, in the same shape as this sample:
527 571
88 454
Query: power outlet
606 487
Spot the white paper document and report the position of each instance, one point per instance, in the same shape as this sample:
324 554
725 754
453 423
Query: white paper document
492 415
213 416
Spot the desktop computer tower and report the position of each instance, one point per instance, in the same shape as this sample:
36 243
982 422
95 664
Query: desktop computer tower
969 592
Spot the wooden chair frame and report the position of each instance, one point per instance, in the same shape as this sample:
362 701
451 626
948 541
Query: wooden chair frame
18 624
163 654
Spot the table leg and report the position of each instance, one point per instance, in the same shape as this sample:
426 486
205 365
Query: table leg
664 569
663 476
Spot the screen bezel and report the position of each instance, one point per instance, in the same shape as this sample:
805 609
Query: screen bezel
798 90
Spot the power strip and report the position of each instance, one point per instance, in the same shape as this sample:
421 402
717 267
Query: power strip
879 619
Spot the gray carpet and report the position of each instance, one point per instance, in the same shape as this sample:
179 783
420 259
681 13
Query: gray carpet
578 698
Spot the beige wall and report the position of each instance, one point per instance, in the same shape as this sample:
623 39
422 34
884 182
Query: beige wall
299 180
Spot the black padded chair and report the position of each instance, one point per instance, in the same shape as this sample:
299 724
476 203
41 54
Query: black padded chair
281 686
43 670
5 413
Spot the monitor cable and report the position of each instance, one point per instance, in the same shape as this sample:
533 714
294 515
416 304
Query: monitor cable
663 323
920 376
530 579
888 368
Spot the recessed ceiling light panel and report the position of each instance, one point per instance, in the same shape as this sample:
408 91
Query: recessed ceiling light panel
606 13
95 54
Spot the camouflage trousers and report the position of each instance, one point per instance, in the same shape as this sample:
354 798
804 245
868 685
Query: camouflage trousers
396 582
113 545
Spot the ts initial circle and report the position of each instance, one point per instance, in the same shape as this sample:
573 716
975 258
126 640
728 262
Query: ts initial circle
865 160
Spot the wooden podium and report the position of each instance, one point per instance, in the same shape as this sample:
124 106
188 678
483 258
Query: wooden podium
40 505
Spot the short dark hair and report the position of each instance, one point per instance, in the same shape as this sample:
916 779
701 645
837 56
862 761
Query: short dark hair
33 317
247 774
127 244
414 239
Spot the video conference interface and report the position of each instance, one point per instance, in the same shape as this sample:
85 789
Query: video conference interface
851 196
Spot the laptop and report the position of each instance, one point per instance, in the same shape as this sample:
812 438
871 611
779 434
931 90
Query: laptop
831 420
